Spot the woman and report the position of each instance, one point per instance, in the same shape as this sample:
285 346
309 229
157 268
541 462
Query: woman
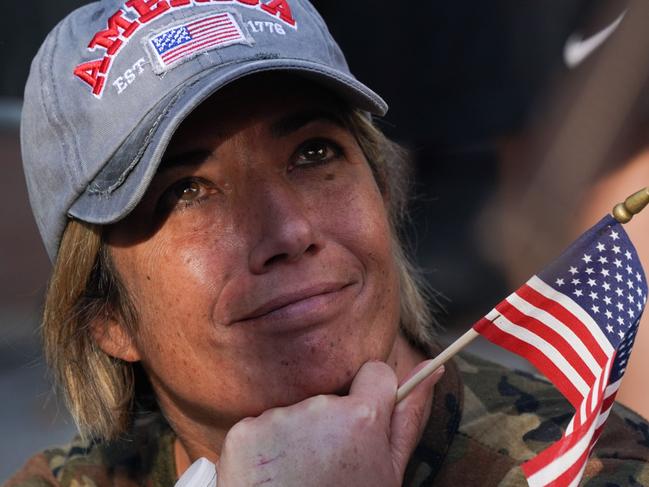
228 283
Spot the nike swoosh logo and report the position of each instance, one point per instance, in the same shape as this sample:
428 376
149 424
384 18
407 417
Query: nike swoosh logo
578 49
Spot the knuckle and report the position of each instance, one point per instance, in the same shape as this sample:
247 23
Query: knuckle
276 416
317 403
240 430
363 413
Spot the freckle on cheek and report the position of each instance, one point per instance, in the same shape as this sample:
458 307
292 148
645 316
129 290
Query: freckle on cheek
330 177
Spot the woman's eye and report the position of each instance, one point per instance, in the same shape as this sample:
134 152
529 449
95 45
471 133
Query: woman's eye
317 151
185 193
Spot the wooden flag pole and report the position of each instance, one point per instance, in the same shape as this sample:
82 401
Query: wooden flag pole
441 359
623 213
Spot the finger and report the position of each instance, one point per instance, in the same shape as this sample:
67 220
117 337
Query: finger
376 383
409 417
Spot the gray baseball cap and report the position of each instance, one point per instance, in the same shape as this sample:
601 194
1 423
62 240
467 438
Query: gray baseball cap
114 80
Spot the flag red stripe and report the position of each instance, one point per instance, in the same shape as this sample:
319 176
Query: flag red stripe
608 401
508 341
556 450
598 432
211 29
202 28
200 22
595 396
570 473
549 335
565 316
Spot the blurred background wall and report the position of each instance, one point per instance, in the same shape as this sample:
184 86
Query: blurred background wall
465 80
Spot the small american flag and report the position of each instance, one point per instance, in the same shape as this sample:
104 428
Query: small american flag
196 36
576 322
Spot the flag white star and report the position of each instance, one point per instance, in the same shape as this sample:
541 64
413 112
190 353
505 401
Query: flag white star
595 309
618 277
621 334
607 300
592 282
593 295
630 284
589 270
586 258
576 282
603 260
609 328
573 270
631 298
618 263
627 254
560 282
638 277
629 269
616 249
620 307
620 320
609 315
578 293
631 313
606 286
601 247
614 235
619 292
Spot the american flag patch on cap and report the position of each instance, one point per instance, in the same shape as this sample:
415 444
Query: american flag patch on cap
194 36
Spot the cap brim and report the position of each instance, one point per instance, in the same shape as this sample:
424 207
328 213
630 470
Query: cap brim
123 181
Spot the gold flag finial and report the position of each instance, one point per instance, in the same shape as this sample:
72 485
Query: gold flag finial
623 212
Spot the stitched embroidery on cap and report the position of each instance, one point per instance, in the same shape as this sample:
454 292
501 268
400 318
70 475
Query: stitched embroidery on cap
180 42
134 14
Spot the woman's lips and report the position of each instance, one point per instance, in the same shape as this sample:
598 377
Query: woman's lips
300 308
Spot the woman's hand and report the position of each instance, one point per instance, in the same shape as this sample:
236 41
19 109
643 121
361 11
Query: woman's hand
360 439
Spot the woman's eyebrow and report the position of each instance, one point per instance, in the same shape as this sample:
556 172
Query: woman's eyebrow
295 121
188 158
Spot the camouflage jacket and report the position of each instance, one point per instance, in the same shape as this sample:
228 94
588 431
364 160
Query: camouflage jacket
486 420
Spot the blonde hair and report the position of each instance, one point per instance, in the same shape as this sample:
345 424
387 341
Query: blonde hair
100 390
97 388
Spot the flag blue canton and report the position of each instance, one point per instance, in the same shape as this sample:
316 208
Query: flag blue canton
601 272
170 39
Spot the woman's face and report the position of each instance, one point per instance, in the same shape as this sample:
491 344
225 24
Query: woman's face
260 259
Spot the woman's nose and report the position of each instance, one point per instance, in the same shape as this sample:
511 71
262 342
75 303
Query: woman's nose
285 228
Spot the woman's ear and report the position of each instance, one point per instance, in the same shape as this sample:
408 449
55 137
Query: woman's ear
115 340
